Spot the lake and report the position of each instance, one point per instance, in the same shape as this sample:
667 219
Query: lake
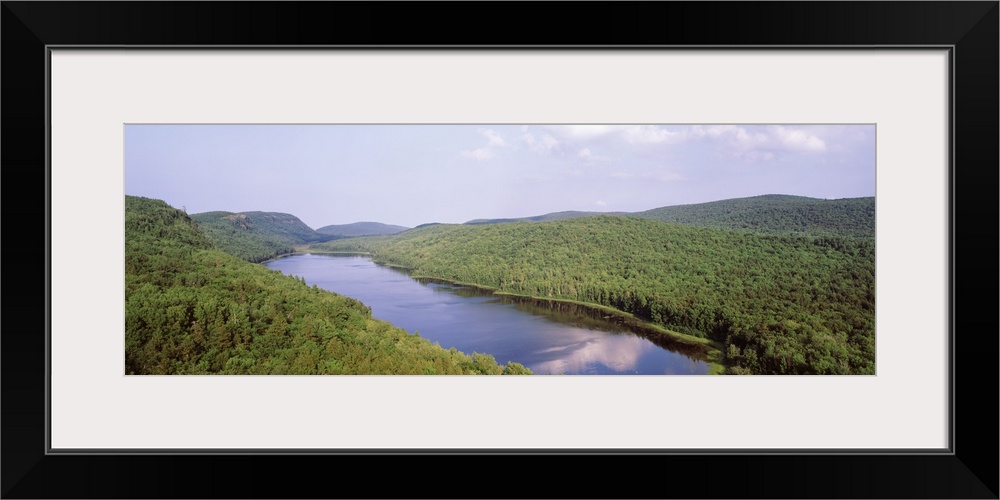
548 337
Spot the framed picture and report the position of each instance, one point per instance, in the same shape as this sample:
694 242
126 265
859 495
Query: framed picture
921 75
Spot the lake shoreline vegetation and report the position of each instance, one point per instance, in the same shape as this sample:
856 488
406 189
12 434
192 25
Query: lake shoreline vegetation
191 308
709 350
703 348
766 285
706 348
775 301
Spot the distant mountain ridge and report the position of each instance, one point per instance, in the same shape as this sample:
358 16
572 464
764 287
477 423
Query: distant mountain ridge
569 214
768 214
360 229
259 236
256 236
772 303
277 224
777 214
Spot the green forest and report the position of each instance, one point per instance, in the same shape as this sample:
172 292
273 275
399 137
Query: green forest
256 236
775 284
359 229
191 308
768 214
777 214
772 303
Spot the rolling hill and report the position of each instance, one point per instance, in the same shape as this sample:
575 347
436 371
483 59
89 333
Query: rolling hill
256 236
777 214
570 214
360 229
767 214
192 309
776 304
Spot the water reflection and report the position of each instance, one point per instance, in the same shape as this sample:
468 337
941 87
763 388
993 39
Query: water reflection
546 336
596 319
580 316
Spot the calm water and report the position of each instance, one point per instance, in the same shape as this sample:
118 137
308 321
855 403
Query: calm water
545 336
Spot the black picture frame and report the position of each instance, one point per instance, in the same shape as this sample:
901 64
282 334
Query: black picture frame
969 470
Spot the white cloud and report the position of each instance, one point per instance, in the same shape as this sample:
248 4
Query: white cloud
773 138
632 134
494 138
752 143
600 203
748 140
756 156
758 144
544 144
651 134
713 130
583 132
479 154
798 140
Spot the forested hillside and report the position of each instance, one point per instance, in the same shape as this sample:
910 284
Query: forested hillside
256 236
777 214
777 304
192 309
767 214
360 229
571 214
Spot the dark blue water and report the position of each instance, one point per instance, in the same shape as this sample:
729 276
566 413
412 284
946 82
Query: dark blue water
547 337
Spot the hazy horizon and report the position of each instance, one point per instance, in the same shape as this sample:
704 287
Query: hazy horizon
409 175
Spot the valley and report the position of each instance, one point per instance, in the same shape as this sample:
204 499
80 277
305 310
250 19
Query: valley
772 284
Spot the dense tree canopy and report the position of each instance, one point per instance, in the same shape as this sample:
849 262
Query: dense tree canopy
777 214
776 304
360 229
191 309
256 236
767 214
780 284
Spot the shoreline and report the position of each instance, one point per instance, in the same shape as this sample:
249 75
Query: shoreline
306 252
713 352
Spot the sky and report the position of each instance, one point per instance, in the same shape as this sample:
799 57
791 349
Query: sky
414 174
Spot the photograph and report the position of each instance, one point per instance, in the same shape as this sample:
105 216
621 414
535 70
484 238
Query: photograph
547 249
232 189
